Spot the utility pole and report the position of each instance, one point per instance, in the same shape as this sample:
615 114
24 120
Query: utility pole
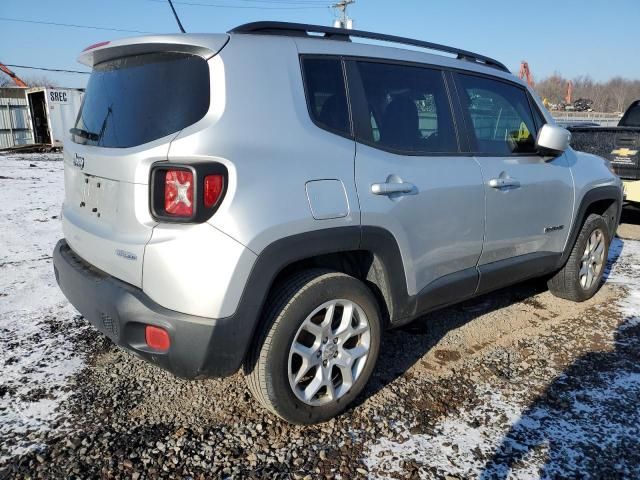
344 21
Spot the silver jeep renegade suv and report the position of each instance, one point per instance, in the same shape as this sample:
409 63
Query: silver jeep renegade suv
274 198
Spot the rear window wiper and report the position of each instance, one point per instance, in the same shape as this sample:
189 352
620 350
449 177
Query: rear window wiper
94 137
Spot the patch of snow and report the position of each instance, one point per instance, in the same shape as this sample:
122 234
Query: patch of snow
36 322
626 271
504 437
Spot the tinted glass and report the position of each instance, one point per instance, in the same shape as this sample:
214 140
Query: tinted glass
631 117
134 100
408 109
500 115
326 93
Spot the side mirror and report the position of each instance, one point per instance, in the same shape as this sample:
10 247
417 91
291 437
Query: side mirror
553 140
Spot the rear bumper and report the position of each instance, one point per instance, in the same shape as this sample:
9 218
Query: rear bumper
200 347
631 190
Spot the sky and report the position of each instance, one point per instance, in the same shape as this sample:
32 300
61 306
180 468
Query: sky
572 37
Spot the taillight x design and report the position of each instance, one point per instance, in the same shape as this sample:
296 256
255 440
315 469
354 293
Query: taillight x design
186 193
178 193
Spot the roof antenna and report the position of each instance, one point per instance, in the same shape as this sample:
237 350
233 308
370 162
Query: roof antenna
176 15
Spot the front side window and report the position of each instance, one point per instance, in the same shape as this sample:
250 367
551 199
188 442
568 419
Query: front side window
407 109
326 94
500 116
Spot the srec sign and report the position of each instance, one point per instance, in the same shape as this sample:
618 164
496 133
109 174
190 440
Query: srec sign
58 96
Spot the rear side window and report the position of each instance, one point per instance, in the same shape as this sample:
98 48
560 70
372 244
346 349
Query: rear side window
407 109
134 100
500 116
631 117
326 94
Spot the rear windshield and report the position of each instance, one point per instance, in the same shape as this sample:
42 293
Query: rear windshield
631 117
134 100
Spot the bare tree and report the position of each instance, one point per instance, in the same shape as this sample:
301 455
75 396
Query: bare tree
32 81
552 88
612 96
619 91
40 81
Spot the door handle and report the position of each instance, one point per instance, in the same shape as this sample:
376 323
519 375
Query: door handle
504 183
389 188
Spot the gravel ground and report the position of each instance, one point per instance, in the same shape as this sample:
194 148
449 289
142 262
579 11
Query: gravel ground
516 384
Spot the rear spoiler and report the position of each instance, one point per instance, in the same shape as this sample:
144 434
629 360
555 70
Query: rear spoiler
204 45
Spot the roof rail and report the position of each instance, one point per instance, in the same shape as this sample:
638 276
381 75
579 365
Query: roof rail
301 29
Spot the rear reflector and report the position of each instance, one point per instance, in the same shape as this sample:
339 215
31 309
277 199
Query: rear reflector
212 189
157 338
96 45
178 193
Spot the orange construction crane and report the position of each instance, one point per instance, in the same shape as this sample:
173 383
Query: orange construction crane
569 96
16 79
525 73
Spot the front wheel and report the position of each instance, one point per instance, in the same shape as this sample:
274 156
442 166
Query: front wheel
581 276
317 348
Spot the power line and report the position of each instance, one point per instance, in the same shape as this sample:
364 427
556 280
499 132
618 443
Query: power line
48 69
254 7
91 27
285 2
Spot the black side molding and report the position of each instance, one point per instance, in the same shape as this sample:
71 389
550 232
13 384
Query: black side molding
503 273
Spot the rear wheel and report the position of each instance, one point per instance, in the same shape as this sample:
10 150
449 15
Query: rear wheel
581 276
317 348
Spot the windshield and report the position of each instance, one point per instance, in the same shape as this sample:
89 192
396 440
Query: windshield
632 116
134 100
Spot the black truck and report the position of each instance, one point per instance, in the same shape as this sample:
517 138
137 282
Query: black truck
620 145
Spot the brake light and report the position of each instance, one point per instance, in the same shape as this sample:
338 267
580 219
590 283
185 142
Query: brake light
212 190
96 45
178 193
157 338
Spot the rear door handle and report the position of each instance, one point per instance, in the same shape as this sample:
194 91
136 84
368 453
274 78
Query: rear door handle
504 183
389 188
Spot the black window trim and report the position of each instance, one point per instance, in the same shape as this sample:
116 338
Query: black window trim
307 96
354 83
538 117
467 119
463 134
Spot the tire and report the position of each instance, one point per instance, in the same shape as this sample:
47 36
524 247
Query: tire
569 282
270 366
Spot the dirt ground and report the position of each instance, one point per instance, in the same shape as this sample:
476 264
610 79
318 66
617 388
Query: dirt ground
514 384
630 223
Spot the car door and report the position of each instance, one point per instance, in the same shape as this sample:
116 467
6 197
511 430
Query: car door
529 197
412 180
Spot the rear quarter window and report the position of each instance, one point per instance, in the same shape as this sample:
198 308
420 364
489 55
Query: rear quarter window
134 100
326 94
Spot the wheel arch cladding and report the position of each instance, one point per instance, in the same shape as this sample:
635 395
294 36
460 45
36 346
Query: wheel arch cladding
370 254
605 201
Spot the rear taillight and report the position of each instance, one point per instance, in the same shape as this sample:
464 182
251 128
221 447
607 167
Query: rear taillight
178 193
186 193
